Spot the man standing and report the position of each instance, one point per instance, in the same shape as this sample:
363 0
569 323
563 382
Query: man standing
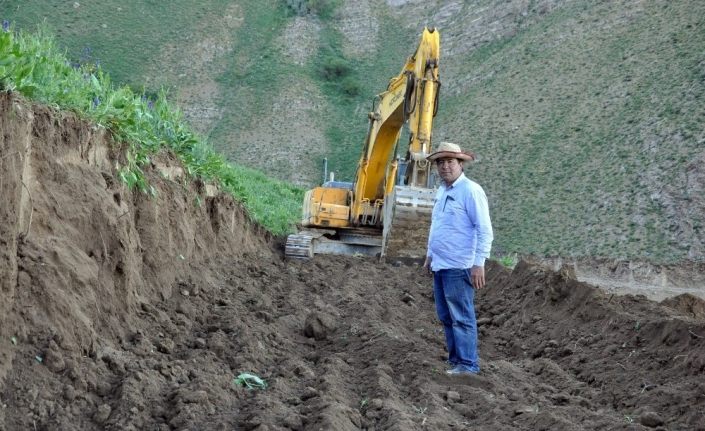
458 244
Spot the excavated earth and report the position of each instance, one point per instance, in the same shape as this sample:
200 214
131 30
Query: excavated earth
122 311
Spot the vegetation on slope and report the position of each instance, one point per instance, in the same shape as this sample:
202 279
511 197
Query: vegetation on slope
34 67
123 37
587 123
238 70
259 75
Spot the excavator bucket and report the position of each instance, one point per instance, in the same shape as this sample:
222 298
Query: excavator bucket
407 222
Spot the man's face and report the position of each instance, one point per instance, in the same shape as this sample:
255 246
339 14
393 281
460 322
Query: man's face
449 169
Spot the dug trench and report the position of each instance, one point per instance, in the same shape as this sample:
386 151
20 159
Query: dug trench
125 311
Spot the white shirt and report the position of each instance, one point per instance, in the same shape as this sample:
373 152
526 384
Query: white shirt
461 231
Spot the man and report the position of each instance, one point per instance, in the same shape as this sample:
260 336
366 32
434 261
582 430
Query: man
458 244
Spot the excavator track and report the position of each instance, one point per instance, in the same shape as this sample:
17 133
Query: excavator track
407 222
312 241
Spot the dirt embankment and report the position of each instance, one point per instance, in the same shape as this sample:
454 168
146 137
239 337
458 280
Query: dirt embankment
122 311
655 281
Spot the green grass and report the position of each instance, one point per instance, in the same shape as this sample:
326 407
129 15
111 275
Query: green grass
32 65
259 74
585 123
125 37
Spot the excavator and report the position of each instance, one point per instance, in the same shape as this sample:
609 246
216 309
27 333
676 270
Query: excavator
386 210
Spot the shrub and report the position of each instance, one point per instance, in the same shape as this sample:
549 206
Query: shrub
323 8
350 86
334 68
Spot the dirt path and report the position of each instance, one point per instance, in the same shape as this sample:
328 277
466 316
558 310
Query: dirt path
124 312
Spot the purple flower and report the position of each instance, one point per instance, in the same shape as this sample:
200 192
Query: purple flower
5 25
96 102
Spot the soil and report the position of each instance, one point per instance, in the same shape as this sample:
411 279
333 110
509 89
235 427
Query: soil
123 311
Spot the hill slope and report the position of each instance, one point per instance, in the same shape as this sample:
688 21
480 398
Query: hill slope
124 312
586 115
589 128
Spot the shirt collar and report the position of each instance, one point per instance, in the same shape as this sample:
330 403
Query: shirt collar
460 177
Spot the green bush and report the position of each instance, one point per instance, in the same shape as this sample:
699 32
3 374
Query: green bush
349 86
323 8
334 68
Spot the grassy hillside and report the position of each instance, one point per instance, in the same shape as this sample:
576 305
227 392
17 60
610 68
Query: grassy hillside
587 123
586 116
229 65
292 91
124 37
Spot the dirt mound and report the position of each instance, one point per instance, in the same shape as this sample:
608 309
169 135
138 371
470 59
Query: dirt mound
656 281
122 311
687 304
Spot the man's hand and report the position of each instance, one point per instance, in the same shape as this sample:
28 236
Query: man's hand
478 276
427 264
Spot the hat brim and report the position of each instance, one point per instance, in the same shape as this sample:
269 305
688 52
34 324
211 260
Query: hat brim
450 155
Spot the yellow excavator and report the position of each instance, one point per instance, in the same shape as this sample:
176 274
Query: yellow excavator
386 210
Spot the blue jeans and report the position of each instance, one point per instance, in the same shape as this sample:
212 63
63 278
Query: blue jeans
454 296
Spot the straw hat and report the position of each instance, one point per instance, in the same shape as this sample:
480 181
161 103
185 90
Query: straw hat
450 150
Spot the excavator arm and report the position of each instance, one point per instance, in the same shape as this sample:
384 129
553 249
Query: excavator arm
411 96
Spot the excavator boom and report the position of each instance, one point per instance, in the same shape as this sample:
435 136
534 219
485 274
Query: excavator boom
386 210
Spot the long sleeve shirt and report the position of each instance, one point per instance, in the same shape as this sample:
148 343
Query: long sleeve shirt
461 231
